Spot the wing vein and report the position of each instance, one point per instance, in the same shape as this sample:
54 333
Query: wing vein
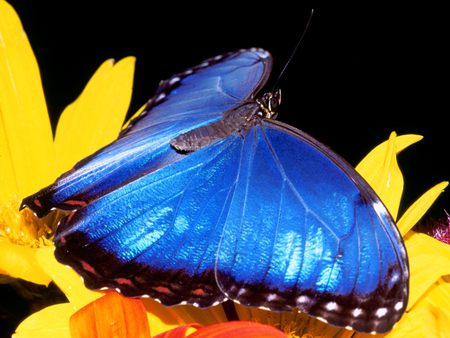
292 187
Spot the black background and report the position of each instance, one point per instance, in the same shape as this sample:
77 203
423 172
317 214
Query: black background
362 71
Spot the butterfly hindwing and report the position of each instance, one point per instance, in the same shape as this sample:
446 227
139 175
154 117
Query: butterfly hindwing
305 231
196 97
272 220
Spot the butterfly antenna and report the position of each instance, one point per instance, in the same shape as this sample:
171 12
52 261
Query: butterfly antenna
294 51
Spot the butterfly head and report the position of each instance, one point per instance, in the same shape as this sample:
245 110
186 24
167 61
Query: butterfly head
269 104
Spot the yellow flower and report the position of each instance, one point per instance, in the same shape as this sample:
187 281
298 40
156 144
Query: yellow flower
428 312
30 157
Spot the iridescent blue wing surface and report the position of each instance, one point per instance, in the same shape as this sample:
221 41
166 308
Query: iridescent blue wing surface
158 235
188 100
304 230
273 220
204 198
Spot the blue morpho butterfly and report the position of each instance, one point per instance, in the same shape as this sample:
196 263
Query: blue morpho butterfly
205 197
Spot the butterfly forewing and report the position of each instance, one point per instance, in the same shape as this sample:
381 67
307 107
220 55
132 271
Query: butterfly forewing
193 98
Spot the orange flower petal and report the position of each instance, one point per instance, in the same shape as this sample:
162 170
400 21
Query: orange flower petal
241 329
179 332
164 318
111 316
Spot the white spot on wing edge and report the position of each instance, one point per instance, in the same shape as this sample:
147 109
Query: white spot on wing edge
331 306
303 299
241 292
357 312
174 80
264 308
272 297
381 312
398 306
395 277
160 97
348 327
322 320
263 53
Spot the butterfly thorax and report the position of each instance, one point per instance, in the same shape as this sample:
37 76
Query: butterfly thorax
236 120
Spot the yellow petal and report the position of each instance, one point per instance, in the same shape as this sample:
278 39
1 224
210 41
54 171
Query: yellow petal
438 295
67 279
96 117
380 169
162 318
373 161
430 317
51 322
419 207
20 262
421 323
26 141
429 259
140 110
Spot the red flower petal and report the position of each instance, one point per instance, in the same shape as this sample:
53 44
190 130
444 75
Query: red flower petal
241 329
111 316
179 332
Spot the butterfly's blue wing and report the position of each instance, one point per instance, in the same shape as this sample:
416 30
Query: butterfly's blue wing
272 220
305 231
196 97
266 216
158 235
206 90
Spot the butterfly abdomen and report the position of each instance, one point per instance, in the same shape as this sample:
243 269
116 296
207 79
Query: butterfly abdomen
238 119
